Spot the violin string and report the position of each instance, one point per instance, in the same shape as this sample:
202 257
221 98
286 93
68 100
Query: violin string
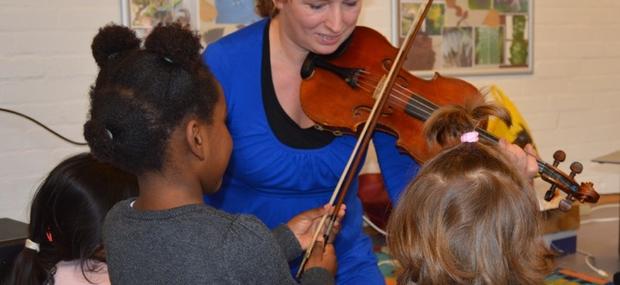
419 101
373 84
400 90
369 87
404 97
399 94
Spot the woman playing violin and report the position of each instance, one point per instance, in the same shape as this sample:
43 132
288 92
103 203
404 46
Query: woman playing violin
280 164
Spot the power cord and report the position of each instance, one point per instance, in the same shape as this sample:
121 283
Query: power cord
43 126
372 225
590 260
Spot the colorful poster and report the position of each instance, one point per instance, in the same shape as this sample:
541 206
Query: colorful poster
211 18
489 43
469 36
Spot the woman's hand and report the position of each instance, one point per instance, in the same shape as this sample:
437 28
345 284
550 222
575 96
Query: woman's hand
523 159
305 224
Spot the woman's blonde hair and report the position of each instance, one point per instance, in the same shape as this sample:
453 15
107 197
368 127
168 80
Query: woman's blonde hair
469 217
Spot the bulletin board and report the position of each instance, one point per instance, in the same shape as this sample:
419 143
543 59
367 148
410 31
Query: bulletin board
213 19
463 37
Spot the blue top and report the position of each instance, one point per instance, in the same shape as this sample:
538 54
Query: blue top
274 181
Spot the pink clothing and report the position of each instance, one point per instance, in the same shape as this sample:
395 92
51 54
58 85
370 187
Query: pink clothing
70 273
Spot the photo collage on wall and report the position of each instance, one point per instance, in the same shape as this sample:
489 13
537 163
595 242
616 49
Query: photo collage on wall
212 18
469 36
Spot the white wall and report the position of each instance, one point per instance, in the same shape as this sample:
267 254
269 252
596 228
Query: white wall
45 71
571 101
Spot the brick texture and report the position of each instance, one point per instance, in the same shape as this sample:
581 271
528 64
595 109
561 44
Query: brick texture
571 101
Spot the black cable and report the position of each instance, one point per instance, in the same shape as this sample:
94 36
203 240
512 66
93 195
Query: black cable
43 126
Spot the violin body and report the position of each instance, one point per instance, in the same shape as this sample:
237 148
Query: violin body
344 105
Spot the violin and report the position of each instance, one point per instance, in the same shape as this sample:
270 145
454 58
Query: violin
362 87
338 91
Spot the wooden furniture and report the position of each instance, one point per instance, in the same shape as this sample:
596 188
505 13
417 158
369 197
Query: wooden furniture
611 158
12 237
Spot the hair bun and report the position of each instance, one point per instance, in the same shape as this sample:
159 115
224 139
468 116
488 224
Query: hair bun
98 139
175 43
449 122
113 39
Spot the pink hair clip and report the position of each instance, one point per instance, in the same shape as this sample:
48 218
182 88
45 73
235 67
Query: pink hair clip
470 137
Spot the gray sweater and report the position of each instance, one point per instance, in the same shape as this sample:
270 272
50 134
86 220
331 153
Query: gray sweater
197 244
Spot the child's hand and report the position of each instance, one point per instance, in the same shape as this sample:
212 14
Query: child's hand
523 159
323 256
305 224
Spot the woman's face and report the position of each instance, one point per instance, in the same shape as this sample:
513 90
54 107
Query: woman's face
318 26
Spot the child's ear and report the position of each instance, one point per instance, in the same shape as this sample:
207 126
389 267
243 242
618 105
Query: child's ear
196 139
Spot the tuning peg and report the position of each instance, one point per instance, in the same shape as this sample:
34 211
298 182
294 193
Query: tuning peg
558 156
565 205
575 168
550 193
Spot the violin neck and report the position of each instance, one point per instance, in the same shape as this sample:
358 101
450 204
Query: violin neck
543 168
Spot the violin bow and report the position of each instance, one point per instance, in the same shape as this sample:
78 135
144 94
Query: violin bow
364 137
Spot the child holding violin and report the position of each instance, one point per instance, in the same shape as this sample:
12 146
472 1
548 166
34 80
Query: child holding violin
158 112
470 216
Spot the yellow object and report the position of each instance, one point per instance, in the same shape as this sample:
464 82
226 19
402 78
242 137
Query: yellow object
208 11
519 133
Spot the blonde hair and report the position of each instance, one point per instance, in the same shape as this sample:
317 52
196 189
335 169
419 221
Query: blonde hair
469 217
265 8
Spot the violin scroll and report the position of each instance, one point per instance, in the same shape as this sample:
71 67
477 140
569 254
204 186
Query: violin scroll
583 192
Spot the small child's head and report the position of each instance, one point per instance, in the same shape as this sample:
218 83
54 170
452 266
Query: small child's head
469 217
157 109
67 214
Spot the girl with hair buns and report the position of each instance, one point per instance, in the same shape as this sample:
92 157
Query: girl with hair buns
64 243
470 216
158 112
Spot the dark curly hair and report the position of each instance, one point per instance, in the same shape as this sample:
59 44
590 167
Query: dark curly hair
142 94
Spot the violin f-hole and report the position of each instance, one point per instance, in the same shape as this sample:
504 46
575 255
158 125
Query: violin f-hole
401 81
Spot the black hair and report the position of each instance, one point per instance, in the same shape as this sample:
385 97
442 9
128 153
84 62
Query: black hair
66 216
142 94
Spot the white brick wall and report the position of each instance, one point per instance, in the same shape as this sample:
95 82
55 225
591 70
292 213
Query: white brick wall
571 101
45 72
